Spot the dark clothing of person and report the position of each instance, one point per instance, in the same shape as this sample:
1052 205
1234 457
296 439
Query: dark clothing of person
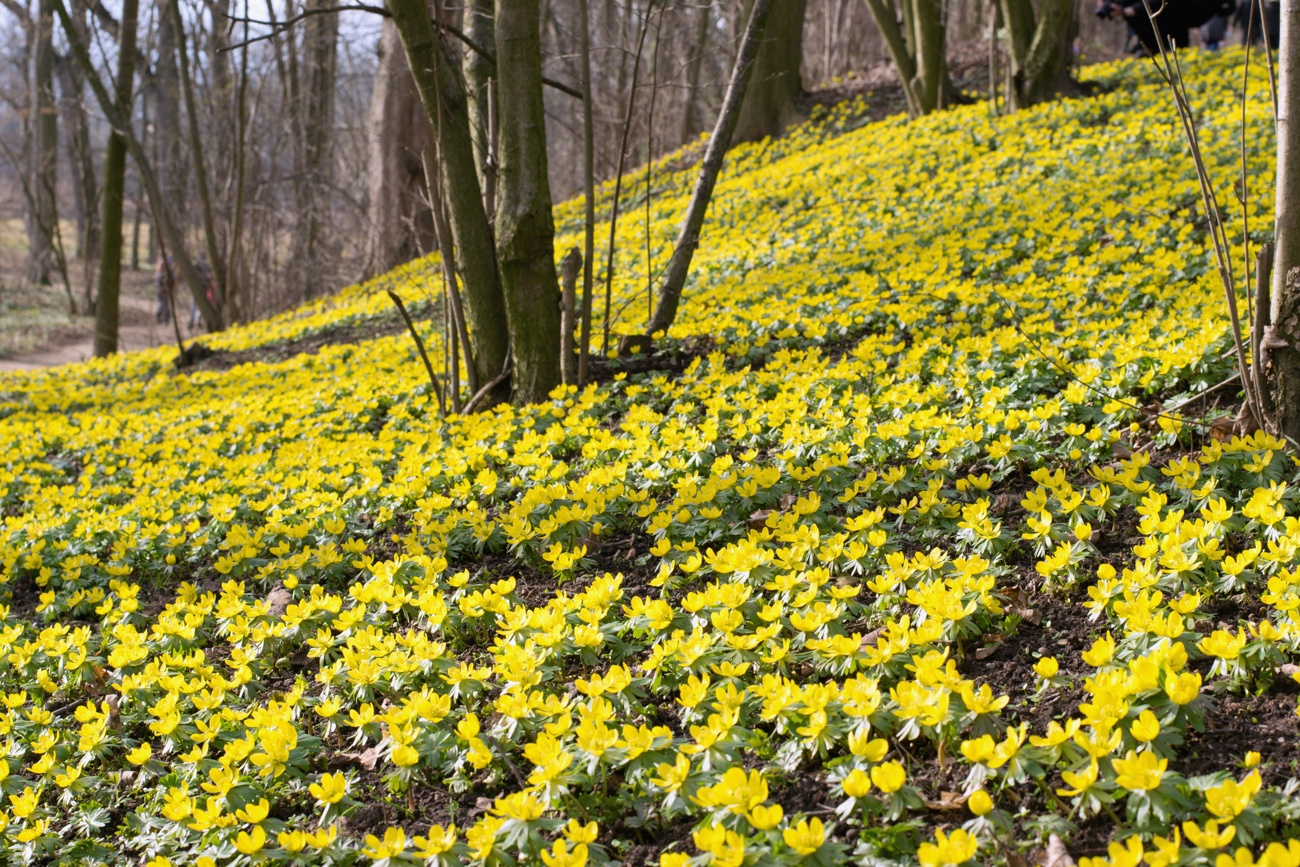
1251 25
1214 31
1174 21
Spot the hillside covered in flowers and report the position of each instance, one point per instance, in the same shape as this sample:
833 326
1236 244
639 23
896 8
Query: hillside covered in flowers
908 545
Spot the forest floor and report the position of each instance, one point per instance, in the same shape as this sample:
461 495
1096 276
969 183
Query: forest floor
36 329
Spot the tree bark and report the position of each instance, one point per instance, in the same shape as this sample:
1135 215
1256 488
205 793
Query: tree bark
76 142
44 154
918 48
401 224
886 18
320 52
694 63
214 247
167 114
1038 49
110 258
770 103
931 85
525 231
589 191
1282 338
688 237
480 85
442 94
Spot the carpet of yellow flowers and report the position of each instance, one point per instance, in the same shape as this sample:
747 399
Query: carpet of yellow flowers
888 562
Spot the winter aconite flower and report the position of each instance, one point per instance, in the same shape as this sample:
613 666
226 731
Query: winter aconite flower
948 850
1140 771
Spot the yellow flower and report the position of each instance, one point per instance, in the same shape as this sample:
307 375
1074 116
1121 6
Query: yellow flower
440 840
576 832
140 754
1047 667
765 818
522 806
806 837
254 813
1228 799
25 804
1101 651
736 791
1140 771
863 746
948 850
1209 837
560 856
1183 688
249 842
1146 727
857 783
330 790
1079 782
726 847
394 843
980 803
671 777
888 777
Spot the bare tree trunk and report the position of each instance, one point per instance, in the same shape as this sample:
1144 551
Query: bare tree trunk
1282 338
401 224
438 80
167 114
524 228
320 51
691 113
76 142
589 193
480 85
44 154
931 53
110 270
918 49
1038 49
214 246
688 238
774 88
886 18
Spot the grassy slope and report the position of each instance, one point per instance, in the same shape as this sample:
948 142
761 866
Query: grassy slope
921 349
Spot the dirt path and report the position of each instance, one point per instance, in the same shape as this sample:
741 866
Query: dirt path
129 337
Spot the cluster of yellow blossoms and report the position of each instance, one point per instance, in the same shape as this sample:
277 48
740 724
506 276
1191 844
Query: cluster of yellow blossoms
725 617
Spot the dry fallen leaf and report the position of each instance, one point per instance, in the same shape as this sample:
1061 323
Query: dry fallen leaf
947 801
758 520
277 601
1223 429
1056 855
987 650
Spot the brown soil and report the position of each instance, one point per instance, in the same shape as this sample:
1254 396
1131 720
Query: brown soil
357 331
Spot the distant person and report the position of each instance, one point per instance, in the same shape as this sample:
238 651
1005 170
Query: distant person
165 280
1213 32
1175 21
1252 26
